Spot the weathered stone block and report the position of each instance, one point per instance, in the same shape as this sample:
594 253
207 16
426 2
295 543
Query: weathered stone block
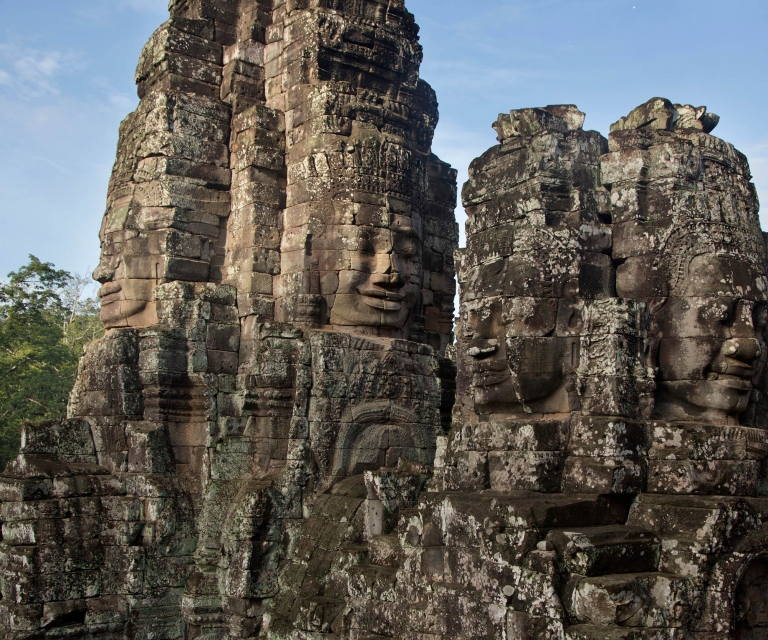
640 600
606 550
713 477
149 448
604 475
604 437
526 471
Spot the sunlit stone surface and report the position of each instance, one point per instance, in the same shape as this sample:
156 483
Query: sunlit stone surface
281 437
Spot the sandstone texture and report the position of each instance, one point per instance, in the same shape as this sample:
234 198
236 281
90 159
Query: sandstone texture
283 435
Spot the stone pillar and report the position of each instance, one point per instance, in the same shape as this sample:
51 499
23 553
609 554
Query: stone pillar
358 171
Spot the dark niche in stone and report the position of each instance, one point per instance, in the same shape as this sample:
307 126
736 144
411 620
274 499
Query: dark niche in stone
752 603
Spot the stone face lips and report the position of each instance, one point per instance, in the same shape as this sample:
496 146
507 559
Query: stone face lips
270 440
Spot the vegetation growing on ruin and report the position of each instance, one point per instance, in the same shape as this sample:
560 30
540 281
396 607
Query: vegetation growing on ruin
46 318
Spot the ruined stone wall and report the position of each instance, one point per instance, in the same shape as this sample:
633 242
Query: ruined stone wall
279 149
270 441
570 500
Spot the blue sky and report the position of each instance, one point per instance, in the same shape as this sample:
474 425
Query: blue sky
66 82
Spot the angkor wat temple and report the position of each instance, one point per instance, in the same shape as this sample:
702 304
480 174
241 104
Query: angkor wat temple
283 434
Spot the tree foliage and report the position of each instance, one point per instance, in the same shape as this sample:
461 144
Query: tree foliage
46 320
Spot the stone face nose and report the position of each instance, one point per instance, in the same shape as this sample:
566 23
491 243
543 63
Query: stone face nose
103 273
744 350
744 322
391 279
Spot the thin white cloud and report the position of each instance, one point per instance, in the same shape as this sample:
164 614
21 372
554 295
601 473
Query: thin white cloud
470 24
122 102
760 149
470 77
33 72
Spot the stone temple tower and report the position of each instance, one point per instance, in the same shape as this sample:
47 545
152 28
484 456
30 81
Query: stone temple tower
277 436
277 288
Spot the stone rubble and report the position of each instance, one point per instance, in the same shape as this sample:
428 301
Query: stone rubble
277 437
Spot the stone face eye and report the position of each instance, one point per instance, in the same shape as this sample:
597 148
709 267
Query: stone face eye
471 326
366 242
719 313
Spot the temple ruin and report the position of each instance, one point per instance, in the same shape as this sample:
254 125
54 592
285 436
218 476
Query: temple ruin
283 433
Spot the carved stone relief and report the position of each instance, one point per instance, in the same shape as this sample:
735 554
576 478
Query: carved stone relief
271 440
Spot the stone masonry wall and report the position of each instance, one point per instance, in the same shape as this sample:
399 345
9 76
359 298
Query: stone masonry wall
279 161
570 500
277 438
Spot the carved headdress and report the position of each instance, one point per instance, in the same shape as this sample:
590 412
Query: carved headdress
697 238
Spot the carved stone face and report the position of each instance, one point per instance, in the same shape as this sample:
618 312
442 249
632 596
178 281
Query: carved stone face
381 287
517 366
712 345
126 301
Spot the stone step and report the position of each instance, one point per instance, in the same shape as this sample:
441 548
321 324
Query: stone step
594 632
693 528
515 517
686 556
652 600
596 551
350 555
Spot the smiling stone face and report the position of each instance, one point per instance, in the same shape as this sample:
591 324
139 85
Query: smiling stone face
535 248
381 285
127 286
517 364
712 345
687 239
369 232
166 201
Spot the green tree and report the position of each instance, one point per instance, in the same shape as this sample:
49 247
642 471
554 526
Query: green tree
45 321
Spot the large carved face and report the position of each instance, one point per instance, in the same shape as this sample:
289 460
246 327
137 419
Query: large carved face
512 370
711 345
126 300
381 287
515 319
515 354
